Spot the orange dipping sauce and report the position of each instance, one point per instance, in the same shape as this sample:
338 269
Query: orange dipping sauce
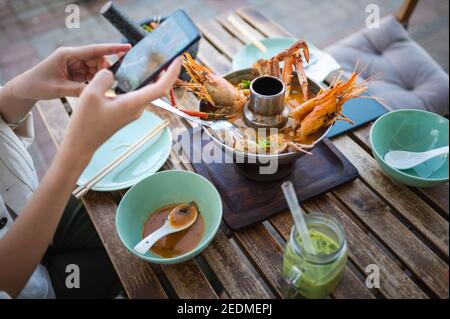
177 243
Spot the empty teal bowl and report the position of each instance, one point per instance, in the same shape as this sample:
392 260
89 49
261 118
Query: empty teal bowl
415 131
161 189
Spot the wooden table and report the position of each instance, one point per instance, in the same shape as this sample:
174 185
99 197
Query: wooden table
404 231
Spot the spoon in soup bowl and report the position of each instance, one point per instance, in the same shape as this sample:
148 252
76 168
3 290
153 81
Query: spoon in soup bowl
181 217
403 160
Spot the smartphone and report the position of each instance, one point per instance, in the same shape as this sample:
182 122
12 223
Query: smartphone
154 53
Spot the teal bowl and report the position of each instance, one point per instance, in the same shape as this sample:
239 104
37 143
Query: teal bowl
416 131
161 189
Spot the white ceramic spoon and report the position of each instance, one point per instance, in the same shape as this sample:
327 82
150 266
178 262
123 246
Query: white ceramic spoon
190 213
404 160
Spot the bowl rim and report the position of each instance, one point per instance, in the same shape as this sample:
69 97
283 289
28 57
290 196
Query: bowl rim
374 150
190 254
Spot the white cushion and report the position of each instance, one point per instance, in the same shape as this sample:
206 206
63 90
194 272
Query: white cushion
405 75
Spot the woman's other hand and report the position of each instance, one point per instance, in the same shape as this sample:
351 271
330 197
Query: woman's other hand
64 72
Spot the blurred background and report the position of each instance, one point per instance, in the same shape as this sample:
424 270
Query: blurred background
31 29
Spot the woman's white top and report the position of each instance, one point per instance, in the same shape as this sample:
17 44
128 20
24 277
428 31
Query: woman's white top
18 180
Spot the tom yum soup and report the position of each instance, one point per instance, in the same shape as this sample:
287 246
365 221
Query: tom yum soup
177 243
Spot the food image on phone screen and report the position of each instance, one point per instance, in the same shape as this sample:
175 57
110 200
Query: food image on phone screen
155 52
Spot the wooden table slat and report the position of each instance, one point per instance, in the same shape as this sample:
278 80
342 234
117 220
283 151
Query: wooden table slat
266 254
208 55
216 34
378 216
55 118
223 20
237 278
438 196
188 281
351 287
262 24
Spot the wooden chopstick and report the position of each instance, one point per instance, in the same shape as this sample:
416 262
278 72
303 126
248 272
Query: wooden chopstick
83 189
238 25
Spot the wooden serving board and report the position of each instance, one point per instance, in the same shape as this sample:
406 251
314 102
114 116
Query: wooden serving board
247 202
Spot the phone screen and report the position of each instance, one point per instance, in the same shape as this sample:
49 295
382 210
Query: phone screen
154 51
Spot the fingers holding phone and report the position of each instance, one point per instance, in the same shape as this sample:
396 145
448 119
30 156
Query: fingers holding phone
142 64
135 75
98 116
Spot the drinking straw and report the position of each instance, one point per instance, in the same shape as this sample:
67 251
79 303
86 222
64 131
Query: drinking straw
297 214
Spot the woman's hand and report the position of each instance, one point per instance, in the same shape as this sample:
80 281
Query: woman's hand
98 117
64 72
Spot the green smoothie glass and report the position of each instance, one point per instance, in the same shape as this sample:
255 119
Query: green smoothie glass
315 276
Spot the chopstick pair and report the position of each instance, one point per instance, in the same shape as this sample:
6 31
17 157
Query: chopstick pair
238 25
83 189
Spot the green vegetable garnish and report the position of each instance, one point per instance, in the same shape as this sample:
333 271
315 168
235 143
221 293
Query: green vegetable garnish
245 84
265 143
